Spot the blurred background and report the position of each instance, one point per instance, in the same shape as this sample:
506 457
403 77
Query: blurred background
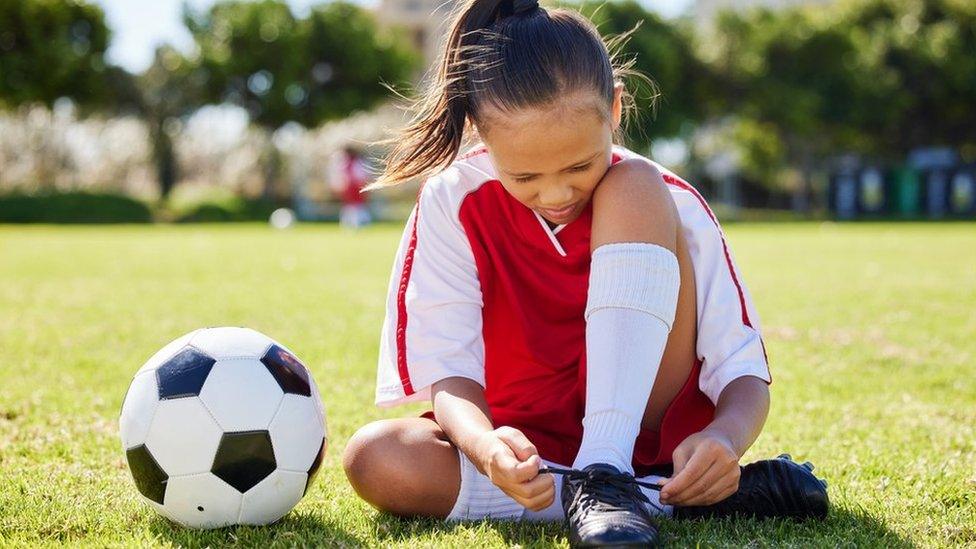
169 111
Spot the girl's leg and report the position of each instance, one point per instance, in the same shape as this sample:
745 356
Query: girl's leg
408 467
404 466
632 299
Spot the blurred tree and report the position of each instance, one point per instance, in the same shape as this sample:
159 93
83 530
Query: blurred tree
51 49
663 51
877 77
926 53
171 88
802 79
281 69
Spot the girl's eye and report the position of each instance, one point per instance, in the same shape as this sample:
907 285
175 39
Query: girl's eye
582 168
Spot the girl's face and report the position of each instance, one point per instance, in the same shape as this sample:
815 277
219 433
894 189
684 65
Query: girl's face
552 158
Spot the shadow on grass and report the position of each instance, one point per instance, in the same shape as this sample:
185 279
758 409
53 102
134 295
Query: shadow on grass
297 529
844 527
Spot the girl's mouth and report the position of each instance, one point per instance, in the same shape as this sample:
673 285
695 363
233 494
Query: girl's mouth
558 215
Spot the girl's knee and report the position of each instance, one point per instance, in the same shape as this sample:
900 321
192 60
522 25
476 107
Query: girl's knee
369 454
388 463
632 204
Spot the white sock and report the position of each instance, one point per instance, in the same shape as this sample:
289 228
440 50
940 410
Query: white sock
630 308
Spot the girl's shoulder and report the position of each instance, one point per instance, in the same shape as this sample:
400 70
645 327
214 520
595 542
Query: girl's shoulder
693 209
449 188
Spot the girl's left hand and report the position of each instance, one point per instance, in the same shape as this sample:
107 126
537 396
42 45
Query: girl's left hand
706 471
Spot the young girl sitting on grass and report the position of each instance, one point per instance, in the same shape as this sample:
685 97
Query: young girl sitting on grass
566 305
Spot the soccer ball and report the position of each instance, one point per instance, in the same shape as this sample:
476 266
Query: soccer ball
282 218
223 426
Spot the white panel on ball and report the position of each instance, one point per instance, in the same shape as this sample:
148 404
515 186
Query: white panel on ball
138 409
183 437
232 342
242 394
296 433
167 352
202 501
273 497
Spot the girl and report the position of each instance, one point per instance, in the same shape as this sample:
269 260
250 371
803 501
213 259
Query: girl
561 301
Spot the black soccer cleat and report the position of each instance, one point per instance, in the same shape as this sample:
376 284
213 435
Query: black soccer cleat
769 489
605 508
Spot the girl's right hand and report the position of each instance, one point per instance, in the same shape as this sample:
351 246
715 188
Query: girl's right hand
512 463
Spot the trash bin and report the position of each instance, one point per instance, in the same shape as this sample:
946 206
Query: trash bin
906 191
962 192
871 192
843 195
937 193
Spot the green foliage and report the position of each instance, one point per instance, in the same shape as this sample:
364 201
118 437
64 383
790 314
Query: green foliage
51 49
325 66
231 209
663 51
873 387
73 207
878 77
925 51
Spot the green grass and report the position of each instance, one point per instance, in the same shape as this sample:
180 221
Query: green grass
870 329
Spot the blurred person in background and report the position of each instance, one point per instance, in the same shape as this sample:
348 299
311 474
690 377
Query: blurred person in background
350 176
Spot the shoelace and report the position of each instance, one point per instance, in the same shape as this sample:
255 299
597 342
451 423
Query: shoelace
603 488
601 476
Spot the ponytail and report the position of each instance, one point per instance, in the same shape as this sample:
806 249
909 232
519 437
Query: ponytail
504 53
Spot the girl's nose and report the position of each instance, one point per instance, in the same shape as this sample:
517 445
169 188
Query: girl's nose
555 197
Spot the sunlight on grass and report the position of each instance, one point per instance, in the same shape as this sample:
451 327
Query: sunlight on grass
870 331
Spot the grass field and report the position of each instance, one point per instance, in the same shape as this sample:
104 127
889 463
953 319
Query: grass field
870 328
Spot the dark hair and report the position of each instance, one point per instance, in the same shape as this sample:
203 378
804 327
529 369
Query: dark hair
508 55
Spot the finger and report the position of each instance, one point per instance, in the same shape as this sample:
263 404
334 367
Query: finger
505 465
680 457
541 494
530 488
518 442
528 469
715 494
533 488
716 475
690 472
697 487
541 501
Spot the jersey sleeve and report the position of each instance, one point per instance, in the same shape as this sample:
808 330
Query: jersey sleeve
729 340
433 324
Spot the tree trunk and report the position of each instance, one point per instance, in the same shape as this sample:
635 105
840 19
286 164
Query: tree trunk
801 194
272 171
164 157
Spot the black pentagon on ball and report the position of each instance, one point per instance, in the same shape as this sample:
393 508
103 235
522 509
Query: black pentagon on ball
183 375
288 371
244 459
316 463
149 476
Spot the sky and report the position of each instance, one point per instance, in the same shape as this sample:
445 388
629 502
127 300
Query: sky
138 26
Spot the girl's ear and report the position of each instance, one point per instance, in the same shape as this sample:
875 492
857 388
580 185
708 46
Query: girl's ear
616 111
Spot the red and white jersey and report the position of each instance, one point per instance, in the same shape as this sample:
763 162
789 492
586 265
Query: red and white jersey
483 289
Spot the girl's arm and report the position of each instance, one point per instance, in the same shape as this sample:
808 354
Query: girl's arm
706 464
505 455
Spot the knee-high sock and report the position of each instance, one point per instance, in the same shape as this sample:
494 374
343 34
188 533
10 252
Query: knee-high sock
630 308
